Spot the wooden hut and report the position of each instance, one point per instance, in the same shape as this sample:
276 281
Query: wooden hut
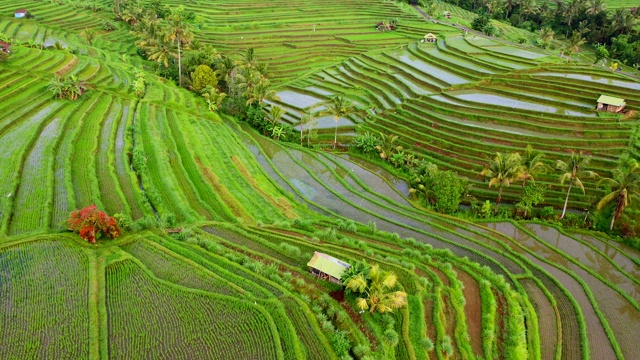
21 13
327 267
430 38
610 104
447 15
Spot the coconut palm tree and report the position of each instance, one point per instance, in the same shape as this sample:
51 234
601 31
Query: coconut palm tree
573 171
531 165
338 107
573 44
89 35
377 288
274 114
594 7
213 97
305 124
501 171
260 92
624 184
178 31
622 21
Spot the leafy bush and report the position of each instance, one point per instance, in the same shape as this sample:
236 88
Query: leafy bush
448 190
90 223
366 143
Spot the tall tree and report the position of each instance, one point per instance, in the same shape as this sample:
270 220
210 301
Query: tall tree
624 185
377 290
574 171
501 171
178 31
306 123
338 107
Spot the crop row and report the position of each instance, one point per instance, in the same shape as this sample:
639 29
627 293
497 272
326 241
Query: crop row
44 309
191 325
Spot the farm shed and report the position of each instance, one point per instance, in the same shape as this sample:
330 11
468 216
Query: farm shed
447 15
20 13
327 267
610 104
4 47
430 38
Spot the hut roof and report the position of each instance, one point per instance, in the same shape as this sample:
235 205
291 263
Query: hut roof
21 11
429 36
610 100
328 264
4 45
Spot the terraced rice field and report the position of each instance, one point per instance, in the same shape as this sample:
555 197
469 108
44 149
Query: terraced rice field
233 281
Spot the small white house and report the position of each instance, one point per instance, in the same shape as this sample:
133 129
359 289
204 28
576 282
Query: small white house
21 13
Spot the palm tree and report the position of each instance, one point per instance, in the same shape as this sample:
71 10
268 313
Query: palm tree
213 97
307 120
624 184
573 172
89 35
275 114
502 170
157 49
573 44
546 34
594 7
377 287
260 92
531 165
248 59
178 31
622 21
338 107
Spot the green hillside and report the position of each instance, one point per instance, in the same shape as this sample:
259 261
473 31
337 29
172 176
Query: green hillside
219 221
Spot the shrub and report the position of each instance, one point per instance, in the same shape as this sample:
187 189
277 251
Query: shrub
366 143
340 343
203 76
390 337
91 223
123 220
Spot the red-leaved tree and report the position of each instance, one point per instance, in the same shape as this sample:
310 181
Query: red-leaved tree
92 223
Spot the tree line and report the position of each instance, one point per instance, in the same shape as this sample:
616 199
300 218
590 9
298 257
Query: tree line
577 20
444 191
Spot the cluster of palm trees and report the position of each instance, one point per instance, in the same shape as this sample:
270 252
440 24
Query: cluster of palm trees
376 288
504 169
166 37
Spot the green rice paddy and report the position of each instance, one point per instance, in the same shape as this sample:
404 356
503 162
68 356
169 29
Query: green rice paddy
228 219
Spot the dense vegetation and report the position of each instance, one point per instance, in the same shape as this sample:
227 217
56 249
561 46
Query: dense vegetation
231 141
